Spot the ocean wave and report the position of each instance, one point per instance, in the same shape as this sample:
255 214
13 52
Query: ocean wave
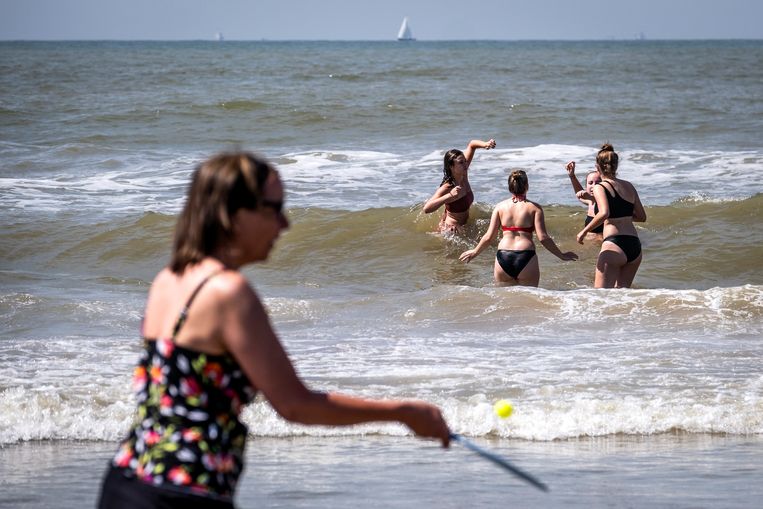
697 244
46 414
85 173
579 363
729 310
243 105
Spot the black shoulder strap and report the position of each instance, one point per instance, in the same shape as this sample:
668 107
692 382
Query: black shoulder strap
613 194
184 312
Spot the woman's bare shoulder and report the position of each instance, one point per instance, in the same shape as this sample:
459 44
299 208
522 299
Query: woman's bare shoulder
626 189
232 284
164 282
230 292
534 206
445 187
164 276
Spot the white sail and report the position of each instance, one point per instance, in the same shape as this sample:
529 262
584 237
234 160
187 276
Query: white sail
405 33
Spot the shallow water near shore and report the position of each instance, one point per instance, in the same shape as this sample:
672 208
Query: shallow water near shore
672 470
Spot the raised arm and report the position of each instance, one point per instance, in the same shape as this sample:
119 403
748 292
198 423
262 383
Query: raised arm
603 206
474 145
249 337
576 185
547 241
580 192
492 229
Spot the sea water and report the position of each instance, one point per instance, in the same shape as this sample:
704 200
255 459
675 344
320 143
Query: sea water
651 396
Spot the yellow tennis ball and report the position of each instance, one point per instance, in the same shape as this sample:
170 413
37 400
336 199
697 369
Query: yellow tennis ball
503 408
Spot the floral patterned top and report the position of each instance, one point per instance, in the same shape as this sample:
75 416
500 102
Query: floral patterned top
187 434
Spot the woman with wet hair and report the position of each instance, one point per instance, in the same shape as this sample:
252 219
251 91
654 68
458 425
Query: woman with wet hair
516 262
454 191
617 207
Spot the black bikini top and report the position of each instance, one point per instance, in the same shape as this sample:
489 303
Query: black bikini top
618 206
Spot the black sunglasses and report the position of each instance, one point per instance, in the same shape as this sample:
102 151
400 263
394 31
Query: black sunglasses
276 206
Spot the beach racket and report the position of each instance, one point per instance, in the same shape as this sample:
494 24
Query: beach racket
498 461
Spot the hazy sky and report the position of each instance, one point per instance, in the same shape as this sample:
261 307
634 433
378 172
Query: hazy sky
380 19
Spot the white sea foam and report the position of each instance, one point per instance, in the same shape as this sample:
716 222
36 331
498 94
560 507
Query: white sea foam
567 386
354 180
651 367
727 309
43 413
146 182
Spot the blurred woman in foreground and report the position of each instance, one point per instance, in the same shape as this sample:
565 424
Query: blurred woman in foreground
209 348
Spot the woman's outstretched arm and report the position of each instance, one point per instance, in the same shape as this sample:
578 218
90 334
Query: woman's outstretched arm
250 338
474 145
492 229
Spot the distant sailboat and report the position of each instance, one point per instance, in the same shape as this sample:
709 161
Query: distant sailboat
219 36
405 33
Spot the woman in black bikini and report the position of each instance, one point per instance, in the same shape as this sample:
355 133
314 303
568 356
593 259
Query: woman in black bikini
585 195
516 262
617 207
454 191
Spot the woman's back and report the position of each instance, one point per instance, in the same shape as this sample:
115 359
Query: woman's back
517 223
621 197
167 297
187 434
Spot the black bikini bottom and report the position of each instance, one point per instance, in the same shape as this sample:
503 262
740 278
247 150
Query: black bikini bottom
630 244
513 262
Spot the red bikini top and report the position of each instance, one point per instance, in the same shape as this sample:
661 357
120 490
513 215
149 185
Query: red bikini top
528 229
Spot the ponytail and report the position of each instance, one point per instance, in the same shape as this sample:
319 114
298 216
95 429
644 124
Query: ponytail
607 160
518 183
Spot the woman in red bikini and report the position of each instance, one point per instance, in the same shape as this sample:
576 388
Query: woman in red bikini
454 191
515 260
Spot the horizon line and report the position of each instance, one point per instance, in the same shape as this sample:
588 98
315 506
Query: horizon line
634 39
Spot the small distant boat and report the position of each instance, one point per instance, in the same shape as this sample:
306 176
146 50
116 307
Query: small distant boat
405 33
219 36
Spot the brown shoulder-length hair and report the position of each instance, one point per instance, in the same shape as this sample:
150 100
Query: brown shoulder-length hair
607 160
220 186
